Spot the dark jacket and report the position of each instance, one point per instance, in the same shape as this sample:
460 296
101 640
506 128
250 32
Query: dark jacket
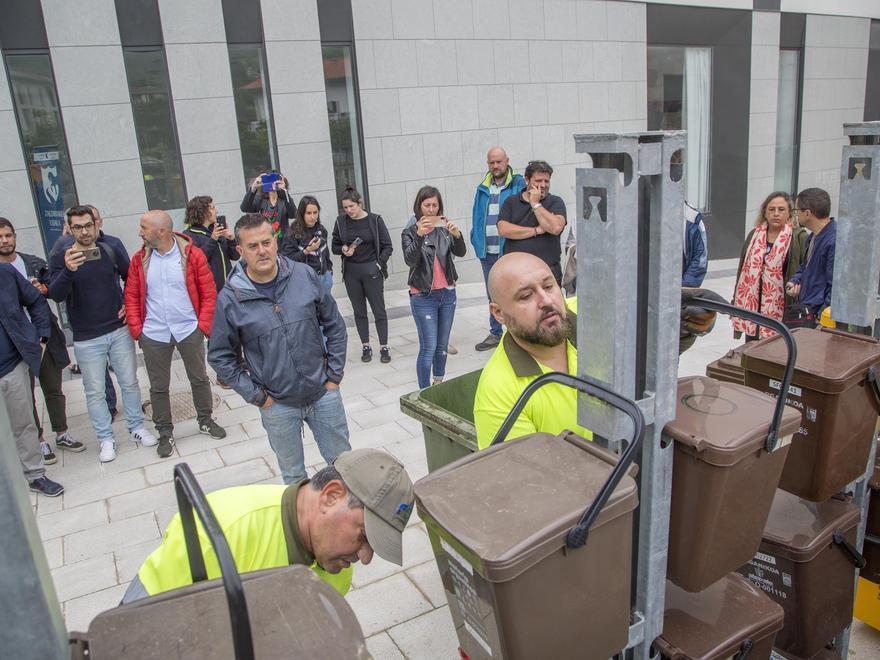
15 293
381 239
293 248
695 260
57 345
220 253
419 253
279 216
282 338
817 274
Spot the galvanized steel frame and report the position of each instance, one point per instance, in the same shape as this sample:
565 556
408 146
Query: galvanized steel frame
629 229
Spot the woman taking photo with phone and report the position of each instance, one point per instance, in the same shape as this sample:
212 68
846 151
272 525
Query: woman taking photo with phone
307 240
212 236
268 197
365 245
429 246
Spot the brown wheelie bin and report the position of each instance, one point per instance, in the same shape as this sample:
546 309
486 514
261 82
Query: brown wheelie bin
806 563
731 618
834 386
527 572
723 477
728 368
871 549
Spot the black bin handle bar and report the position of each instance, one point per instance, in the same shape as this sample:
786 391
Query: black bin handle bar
190 496
857 558
577 535
781 329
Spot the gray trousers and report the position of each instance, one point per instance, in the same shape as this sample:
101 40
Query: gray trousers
157 359
16 389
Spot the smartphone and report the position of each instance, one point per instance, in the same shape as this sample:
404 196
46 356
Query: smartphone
221 221
439 221
318 239
92 254
357 241
269 180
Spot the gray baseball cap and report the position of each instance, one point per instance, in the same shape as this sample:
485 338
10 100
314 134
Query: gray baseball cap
379 481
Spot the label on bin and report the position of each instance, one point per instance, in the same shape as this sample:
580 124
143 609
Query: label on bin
764 573
792 389
462 574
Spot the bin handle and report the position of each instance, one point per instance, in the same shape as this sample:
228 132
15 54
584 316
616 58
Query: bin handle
744 650
781 329
857 558
577 535
875 386
190 496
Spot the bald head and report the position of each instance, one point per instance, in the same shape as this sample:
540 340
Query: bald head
156 230
514 270
497 161
158 219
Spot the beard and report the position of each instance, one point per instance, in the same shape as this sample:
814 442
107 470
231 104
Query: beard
540 336
8 249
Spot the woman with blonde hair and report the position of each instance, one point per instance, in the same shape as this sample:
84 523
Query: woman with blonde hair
770 257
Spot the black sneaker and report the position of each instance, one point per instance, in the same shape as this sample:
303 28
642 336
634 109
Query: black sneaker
47 487
66 441
384 355
49 457
488 343
367 354
213 429
165 447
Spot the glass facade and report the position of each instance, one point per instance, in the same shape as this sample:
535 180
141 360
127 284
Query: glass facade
154 125
42 136
787 121
253 109
342 112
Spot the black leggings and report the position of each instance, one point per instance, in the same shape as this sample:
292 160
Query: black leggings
364 282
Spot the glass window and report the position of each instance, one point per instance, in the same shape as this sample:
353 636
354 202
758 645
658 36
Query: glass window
680 98
154 125
787 121
42 134
342 115
253 109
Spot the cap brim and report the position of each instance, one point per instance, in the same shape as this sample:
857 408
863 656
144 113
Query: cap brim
386 541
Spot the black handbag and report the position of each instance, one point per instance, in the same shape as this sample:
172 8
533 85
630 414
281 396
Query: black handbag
799 315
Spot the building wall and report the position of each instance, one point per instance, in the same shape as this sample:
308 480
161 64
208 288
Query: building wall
762 111
835 67
442 82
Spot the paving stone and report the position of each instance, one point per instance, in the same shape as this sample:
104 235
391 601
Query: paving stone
246 450
427 578
142 501
103 487
72 520
79 612
389 433
85 577
130 558
378 415
54 552
235 475
386 603
126 532
411 452
382 647
192 444
427 637
200 462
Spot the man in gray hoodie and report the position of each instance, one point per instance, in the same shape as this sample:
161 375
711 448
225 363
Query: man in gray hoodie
277 311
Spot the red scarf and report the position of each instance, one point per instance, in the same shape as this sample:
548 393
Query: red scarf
762 279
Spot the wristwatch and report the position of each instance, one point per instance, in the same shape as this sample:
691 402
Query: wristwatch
536 205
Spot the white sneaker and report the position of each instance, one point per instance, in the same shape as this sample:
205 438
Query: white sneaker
108 451
143 436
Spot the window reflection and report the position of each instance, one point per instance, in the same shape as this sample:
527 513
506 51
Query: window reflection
342 116
787 121
252 109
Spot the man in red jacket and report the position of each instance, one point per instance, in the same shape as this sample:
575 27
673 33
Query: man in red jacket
169 301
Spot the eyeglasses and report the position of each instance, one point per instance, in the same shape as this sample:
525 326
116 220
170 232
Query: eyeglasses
78 228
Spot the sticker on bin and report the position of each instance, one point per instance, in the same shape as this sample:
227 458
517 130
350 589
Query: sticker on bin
452 552
792 389
464 588
782 441
769 559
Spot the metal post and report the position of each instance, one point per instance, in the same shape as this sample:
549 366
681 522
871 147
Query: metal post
32 625
629 215
855 299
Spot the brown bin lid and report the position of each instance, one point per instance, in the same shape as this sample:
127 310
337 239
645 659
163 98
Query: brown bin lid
715 622
828 361
512 504
725 422
798 530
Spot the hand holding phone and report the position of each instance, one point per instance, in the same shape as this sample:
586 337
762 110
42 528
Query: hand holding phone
221 221
269 180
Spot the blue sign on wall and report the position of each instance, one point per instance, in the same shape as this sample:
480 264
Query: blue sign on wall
46 173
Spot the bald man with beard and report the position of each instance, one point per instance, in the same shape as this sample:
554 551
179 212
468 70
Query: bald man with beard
169 302
540 338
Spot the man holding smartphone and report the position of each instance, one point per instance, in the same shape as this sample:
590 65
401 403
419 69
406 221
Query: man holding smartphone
91 290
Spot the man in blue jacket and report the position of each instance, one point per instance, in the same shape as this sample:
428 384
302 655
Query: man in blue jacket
812 282
499 183
20 353
279 313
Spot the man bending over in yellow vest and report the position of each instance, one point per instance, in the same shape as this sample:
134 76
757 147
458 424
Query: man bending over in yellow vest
359 505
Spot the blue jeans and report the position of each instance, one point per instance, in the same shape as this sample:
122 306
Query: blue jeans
284 425
326 281
92 356
487 263
433 313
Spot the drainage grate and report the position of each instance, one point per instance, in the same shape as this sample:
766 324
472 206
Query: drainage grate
182 407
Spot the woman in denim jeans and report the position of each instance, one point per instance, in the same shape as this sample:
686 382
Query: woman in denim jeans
429 245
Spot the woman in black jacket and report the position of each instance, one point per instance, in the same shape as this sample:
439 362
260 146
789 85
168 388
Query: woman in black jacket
365 245
215 240
429 245
307 240
275 205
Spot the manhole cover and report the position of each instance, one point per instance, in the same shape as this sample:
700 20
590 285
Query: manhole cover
182 407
